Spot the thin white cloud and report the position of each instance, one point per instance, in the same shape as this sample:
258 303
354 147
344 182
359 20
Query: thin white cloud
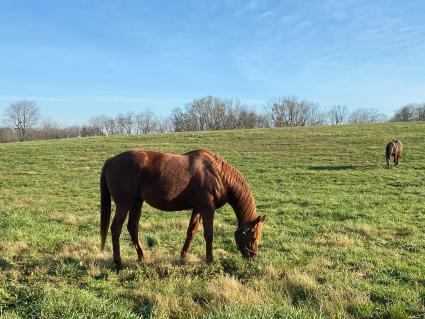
265 14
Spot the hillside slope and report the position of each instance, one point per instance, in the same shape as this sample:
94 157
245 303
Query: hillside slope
344 236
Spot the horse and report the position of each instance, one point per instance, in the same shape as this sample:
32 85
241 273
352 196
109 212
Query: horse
198 180
394 148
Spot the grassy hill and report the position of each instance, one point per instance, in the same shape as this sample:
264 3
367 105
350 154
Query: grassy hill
344 236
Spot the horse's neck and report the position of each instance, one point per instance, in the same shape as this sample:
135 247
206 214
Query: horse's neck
239 194
243 203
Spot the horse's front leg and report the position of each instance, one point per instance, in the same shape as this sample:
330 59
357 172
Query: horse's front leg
119 218
207 222
195 219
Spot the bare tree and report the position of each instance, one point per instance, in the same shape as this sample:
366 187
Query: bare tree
420 112
165 124
317 117
275 112
213 113
50 129
290 111
22 115
89 131
7 135
145 122
366 116
338 114
240 117
178 120
110 125
125 123
99 123
262 121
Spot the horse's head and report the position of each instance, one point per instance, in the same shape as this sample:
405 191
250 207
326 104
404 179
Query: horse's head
248 237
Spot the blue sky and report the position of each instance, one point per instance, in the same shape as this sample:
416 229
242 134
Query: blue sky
80 58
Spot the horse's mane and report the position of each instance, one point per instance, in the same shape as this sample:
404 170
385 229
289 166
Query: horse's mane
241 197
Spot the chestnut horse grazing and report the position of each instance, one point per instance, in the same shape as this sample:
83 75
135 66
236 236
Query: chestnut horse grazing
197 180
394 148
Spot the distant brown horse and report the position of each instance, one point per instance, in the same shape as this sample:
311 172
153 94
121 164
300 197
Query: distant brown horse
394 148
197 180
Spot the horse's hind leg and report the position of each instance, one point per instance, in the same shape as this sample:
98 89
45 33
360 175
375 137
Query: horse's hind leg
119 218
195 219
133 227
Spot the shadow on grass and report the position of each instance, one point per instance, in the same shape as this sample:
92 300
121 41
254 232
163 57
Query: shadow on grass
4 265
333 168
144 308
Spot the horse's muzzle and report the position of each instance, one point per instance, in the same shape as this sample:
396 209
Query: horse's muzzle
249 254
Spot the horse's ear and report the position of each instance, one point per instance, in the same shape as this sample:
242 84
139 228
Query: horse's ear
259 219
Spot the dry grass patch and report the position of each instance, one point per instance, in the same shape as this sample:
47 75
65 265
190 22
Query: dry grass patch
158 305
338 240
227 289
219 252
11 252
79 251
74 220
145 226
301 287
365 230
319 264
175 224
87 254
340 303
18 202
13 247
270 272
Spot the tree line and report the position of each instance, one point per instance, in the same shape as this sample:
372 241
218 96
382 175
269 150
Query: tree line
208 113
410 112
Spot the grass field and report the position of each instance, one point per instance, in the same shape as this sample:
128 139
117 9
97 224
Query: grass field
344 236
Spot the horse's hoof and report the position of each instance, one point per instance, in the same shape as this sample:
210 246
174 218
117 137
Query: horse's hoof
118 266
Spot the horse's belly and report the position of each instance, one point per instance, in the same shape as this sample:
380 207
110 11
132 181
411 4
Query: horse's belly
173 205
165 201
170 190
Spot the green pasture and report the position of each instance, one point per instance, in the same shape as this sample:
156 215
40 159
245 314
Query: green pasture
344 236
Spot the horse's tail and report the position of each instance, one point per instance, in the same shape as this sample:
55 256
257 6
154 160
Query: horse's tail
105 207
388 152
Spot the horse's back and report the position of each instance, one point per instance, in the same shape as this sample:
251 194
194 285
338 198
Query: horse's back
165 181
